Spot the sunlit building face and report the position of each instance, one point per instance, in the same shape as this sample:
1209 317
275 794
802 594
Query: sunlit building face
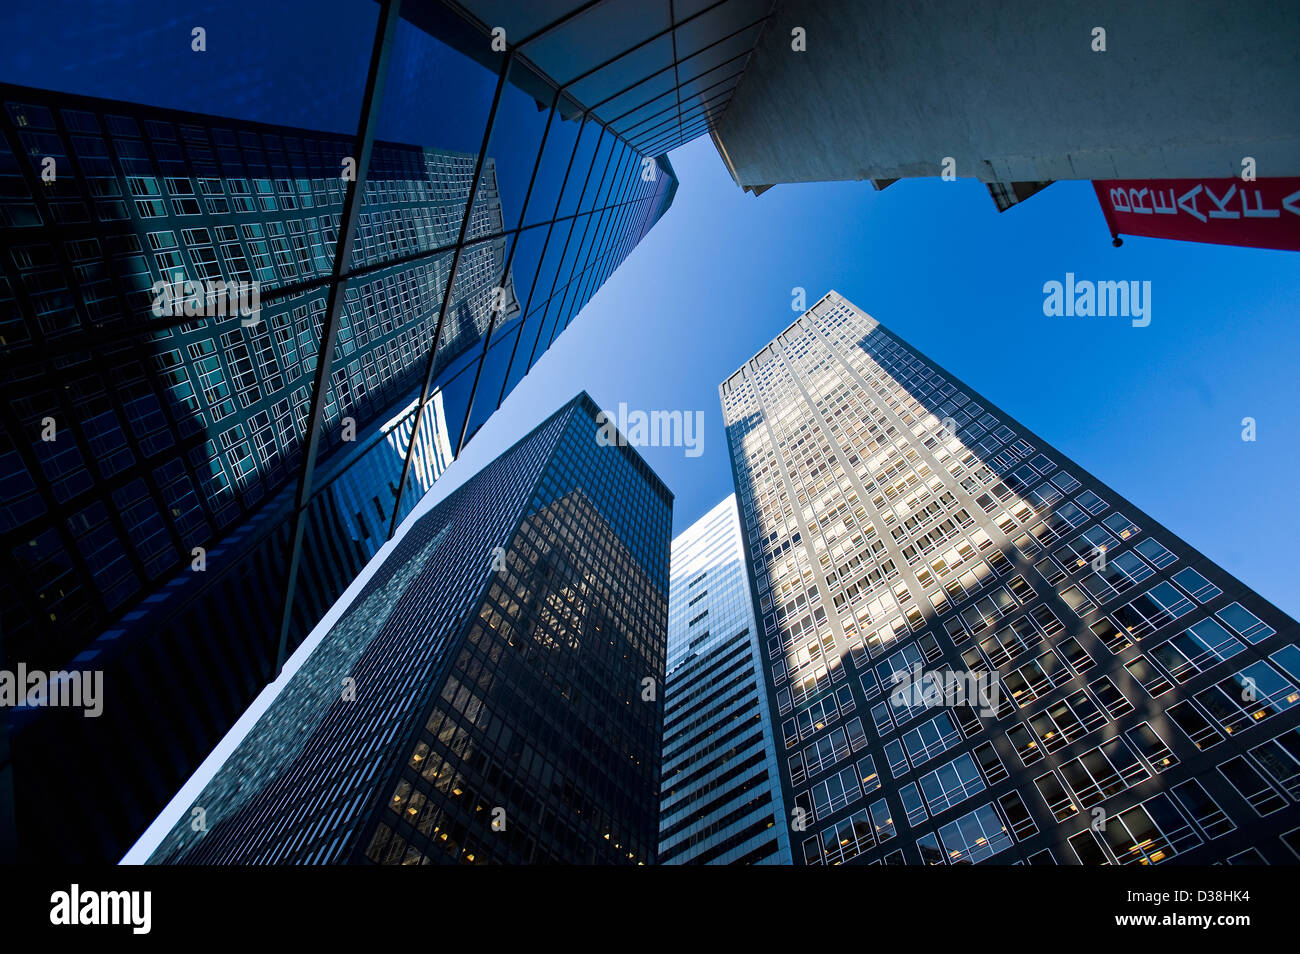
975 650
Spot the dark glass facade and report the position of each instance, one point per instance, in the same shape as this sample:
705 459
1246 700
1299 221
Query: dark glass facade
906 537
483 699
422 219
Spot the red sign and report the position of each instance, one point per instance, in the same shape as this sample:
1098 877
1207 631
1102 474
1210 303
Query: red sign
1264 213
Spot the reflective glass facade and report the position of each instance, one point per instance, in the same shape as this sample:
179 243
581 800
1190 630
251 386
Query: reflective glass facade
422 220
904 535
721 799
483 698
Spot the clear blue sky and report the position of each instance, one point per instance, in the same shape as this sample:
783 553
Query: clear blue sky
1154 412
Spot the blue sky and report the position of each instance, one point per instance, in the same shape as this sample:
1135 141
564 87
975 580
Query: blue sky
1154 412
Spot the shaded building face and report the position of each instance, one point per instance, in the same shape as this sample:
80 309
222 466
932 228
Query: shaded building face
485 697
721 799
188 489
977 651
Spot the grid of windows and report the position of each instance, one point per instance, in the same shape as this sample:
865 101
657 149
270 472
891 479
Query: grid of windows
498 714
907 538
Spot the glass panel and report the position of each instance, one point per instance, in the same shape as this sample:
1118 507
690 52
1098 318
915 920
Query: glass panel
262 62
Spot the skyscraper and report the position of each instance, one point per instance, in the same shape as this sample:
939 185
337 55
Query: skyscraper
490 696
187 491
1039 672
721 801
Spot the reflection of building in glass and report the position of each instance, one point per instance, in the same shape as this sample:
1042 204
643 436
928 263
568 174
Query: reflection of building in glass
184 432
902 533
172 443
721 795
492 670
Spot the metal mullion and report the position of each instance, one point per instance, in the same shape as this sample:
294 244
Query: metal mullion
645 79
672 29
385 31
591 218
555 333
546 244
555 24
655 146
616 239
504 71
694 108
569 238
505 272
606 243
680 136
147 475
670 108
677 77
98 480
524 315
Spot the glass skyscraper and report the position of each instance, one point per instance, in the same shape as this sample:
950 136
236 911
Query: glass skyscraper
423 211
1135 703
721 801
492 693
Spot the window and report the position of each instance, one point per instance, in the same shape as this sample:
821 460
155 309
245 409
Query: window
1280 758
1202 590
1026 745
848 839
1085 845
1120 525
1149 833
1248 697
1057 799
883 821
951 783
1102 772
836 792
974 837
1288 660
931 738
1194 725
1243 621
989 762
913 805
868 774
1091 502
1150 678
1257 792
1017 814
1196 649
826 751
1203 809
1154 552
1110 697
1153 609
1148 742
